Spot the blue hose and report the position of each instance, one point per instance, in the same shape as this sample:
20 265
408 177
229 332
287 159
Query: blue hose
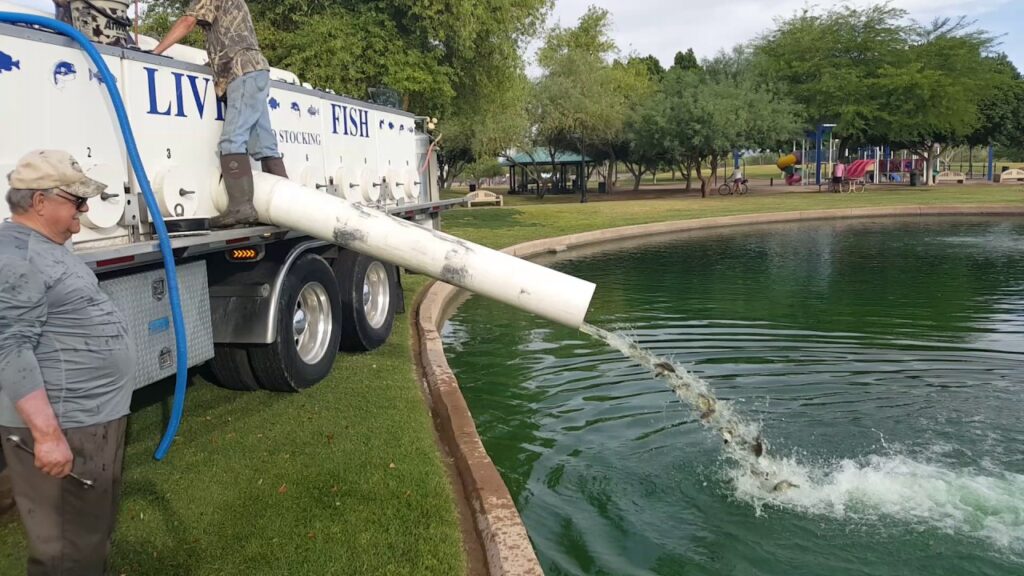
181 343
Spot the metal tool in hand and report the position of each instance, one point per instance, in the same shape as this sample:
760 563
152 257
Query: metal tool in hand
16 440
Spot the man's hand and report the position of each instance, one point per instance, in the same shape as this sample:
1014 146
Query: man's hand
53 455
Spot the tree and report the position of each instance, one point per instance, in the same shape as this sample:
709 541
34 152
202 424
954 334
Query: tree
720 108
880 79
490 120
581 100
486 168
655 71
1002 109
685 61
647 140
934 96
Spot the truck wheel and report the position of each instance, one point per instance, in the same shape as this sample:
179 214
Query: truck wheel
230 366
308 329
369 298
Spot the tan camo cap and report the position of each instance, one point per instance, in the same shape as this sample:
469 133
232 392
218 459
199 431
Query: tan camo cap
46 169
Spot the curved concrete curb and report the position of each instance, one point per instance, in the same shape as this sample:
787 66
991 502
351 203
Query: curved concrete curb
498 526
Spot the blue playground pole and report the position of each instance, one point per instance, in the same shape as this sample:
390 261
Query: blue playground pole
991 163
817 156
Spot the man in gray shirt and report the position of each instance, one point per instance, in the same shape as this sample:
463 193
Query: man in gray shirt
66 370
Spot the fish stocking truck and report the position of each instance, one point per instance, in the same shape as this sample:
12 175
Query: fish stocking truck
267 306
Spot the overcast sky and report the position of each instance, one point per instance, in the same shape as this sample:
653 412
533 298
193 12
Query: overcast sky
663 27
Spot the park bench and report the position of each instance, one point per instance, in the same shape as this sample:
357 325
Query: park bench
950 176
484 197
1011 175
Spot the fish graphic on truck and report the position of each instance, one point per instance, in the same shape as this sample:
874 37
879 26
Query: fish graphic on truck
63 72
8 63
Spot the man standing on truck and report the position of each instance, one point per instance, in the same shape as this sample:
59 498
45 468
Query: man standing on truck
67 369
242 77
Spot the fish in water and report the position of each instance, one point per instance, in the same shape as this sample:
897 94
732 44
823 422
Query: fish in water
63 70
664 367
706 404
758 447
8 63
784 485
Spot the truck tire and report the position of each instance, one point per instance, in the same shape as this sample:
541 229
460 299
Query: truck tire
369 300
230 366
308 329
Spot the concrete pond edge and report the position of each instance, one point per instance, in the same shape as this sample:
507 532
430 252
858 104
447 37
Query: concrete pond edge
494 536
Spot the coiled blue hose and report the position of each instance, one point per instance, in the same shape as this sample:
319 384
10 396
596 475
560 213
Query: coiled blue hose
181 342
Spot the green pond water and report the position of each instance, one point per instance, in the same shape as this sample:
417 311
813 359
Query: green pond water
882 360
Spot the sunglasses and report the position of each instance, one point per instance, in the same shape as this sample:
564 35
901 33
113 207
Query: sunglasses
78 201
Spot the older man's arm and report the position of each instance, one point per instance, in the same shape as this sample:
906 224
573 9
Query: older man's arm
22 314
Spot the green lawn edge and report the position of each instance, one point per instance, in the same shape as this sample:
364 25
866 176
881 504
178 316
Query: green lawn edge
346 478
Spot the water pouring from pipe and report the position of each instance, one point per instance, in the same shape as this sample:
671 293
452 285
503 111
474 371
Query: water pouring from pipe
742 439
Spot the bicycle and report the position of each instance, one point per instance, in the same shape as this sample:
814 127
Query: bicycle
728 189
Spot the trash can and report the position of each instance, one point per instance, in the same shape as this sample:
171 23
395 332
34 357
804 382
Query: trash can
602 187
472 186
914 178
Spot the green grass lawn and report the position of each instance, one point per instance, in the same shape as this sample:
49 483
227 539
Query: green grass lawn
345 478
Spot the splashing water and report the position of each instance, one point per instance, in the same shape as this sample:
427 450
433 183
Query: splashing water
987 507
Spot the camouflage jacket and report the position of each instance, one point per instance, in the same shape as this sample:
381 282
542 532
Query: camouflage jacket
230 39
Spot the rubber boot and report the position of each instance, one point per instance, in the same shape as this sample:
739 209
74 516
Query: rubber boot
274 166
238 181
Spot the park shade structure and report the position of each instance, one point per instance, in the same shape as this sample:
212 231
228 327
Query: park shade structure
569 176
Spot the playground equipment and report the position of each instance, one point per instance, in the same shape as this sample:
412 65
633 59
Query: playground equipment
791 165
811 150
854 178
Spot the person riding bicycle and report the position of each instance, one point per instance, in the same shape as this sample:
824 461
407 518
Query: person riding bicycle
737 179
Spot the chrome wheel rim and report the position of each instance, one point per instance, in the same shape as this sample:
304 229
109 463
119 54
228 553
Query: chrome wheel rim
312 322
376 294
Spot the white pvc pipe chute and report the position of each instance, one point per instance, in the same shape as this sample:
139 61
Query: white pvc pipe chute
530 287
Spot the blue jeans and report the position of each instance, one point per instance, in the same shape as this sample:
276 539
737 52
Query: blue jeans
247 118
